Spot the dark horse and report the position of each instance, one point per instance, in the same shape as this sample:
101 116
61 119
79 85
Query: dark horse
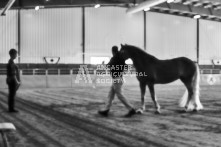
151 70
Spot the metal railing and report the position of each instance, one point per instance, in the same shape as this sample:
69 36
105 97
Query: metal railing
90 70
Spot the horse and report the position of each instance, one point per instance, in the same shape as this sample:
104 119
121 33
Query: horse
151 70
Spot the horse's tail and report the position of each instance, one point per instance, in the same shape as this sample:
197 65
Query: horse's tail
196 89
194 101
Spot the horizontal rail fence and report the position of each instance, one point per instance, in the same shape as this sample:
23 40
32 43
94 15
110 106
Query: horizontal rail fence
66 78
90 71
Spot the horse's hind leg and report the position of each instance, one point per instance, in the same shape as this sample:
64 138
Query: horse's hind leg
143 91
190 94
153 96
189 87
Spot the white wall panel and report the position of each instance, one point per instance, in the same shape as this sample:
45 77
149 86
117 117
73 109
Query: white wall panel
210 41
170 36
110 26
51 32
8 34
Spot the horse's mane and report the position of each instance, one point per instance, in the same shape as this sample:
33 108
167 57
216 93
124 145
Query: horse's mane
139 52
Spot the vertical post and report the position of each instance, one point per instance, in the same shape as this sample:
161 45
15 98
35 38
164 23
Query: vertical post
83 34
59 72
19 38
145 29
46 78
197 40
71 73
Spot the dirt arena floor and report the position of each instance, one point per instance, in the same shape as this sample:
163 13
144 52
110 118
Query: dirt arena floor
62 117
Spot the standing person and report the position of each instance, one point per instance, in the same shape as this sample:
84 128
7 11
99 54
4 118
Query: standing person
116 66
13 80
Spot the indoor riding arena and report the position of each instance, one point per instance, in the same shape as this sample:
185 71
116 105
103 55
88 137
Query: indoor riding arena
57 84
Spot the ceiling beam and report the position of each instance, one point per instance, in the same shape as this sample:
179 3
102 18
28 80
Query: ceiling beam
182 10
7 6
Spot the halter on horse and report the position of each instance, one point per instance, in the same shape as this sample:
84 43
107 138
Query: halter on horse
162 72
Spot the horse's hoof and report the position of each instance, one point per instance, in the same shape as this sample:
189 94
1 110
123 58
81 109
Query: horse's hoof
157 112
184 111
139 111
195 110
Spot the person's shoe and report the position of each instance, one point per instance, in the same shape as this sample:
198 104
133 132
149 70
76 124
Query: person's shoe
103 112
13 111
131 113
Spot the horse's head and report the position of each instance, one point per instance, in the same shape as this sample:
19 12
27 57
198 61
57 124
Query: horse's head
124 52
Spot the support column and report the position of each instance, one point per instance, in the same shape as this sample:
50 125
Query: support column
197 40
145 28
83 34
19 37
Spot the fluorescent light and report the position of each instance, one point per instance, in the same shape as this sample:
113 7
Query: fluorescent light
143 5
196 16
197 4
37 8
170 1
97 6
187 2
146 9
217 8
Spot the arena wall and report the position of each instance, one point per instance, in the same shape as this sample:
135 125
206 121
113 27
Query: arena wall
170 36
51 33
210 44
59 32
8 34
108 26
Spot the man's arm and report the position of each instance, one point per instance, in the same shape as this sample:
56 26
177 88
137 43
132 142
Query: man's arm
15 73
110 63
18 75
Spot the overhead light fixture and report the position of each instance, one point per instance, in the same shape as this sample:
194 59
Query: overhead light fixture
37 8
8 6
196 4
177 1
143 5
196 16
217 8
187 2
170 1
208 6
146 9
97 6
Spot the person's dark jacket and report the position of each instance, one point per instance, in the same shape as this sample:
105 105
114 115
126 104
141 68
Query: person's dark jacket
12 71
117 66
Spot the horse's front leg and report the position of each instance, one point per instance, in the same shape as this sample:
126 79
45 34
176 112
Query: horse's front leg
143 91
154 98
